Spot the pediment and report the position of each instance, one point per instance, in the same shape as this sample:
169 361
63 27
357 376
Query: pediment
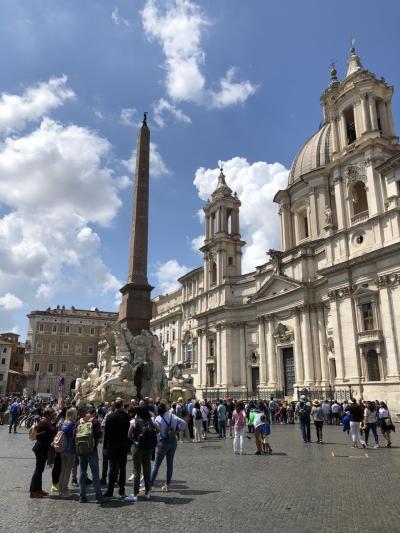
275 286
363 292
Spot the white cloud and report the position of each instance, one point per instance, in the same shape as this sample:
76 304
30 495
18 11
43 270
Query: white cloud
158 167
197 243
231 92
256 185
10 302
55 183
127 115
17 110
118 19
163 106
177 26
167 275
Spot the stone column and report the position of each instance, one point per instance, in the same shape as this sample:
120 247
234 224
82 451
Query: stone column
218 349
261 346
298 352
242 354
339 201
343 134
323 346
335 137
338 339
365 113
390 330
389 115
316 345
200 356
372 112
307 348
285 226
314 229
271 351
226 344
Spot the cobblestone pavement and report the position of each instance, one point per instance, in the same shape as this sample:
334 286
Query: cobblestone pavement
300 488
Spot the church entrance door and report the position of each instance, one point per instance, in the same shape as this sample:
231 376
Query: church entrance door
288 370
255 379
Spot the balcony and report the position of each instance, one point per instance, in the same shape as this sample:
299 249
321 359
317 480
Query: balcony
360 217
370 336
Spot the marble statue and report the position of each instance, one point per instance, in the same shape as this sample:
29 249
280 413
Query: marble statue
127 366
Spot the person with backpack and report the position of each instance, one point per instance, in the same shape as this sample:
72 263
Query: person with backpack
143 435
205 411
303 410
43 433
318 416
67 450
168 423
87 436
198 422
116 446
239 420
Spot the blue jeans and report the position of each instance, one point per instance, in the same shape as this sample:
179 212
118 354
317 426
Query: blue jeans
166 449
305 430
222 427
14 422
91 459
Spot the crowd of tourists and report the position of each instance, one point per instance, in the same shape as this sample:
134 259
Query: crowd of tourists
73 437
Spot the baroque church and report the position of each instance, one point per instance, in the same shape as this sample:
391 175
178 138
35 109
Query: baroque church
323 313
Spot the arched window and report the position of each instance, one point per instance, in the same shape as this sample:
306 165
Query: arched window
373 366
188 349
214 273
212 225
359 199
351 134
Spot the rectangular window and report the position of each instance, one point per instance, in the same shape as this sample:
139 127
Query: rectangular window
65 346
50 368
92 331
39 346
67 330
37 367
230 261
367 316
76 369
54 329
80 330
41 327
78 348
3 361
4 350
173 334
90 349
1 377
63 367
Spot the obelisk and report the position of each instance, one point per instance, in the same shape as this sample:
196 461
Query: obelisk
136 306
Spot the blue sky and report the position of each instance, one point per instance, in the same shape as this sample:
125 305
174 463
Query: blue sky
225 80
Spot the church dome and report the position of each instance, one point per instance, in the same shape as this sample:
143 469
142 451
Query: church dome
315 153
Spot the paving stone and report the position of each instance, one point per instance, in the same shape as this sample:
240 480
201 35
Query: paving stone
300 488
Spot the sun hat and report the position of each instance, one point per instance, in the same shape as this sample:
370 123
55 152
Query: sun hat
316 402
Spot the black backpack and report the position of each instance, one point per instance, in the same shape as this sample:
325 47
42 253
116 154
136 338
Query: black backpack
145 434
198 414
170 435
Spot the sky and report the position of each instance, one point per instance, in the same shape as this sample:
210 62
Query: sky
223 81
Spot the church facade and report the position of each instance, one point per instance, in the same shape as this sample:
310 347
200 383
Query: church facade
323 313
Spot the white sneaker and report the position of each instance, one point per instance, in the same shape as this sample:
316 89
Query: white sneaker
130 478
147 495
131 498
376 446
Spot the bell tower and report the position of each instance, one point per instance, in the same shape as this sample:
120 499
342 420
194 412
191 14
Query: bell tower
222 246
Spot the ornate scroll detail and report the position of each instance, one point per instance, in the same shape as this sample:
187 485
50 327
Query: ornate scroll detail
388 280
355 173
341 293
283 334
